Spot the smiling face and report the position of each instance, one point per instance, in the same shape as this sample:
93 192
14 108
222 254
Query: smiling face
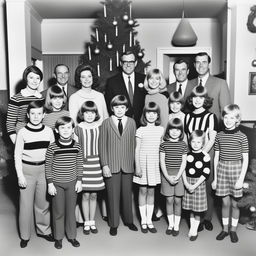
181 71
128 63
33 81
62 75
36 116
196 144
86 79
57 103
151 117
202 65
89 116
174 133
119 111
230 121
175 107
154 81
65 131
198 102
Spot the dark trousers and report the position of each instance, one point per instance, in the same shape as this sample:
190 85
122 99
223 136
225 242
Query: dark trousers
63 210
119 188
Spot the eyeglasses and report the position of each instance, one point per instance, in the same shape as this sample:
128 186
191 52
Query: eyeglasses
128 62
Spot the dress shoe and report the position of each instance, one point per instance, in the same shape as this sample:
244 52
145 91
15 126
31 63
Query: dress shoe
74 242
58 244
155 218
113 231
79 224
193 238
221 235
93 229
151 228
47 237
200 227
105 218
175 232
144 228
23 243
132 227
233 237
208 225
168 231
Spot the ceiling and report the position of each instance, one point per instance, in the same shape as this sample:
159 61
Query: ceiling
62 9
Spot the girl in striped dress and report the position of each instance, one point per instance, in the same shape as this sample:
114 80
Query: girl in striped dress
54 103
230 166
197 171
87 133
147 172
173 154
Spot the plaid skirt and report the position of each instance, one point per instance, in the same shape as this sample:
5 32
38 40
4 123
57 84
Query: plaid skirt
228 173
196 201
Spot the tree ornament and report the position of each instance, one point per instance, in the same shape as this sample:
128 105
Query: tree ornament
130 22
109 45
125 17
97 51
114 22
140 55
252 209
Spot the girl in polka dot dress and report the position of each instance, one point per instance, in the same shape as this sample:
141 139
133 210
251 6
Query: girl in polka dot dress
197 171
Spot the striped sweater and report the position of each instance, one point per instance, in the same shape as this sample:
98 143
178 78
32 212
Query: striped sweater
17 112
64 163
31 145
51 118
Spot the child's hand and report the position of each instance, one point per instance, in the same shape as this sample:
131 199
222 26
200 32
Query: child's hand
78 187
138 172
106 171
22 182
176 179
51 189
239 184
214 185
171 179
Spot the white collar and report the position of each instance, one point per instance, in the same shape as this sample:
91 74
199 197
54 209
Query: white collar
26 93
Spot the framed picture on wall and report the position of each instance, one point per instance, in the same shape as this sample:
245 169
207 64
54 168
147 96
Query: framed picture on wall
252 83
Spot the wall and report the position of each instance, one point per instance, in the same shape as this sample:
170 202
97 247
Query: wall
69 36
243 51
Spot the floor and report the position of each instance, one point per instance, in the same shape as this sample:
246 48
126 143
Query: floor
125 243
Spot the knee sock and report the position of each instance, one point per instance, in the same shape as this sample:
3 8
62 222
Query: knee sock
176 222
234 222
150 209
192 221
143 214
194 227
225 224
170 221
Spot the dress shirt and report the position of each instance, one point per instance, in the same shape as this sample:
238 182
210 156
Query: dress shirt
183 87
116 121
126 79
204 79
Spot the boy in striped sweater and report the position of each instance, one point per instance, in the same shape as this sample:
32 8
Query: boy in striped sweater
30 148
64 168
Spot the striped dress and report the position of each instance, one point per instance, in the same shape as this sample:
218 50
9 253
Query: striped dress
88 137
149 154
17 111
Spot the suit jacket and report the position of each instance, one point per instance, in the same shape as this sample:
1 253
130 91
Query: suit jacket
218 90
115 150
115 86
70 90
172 88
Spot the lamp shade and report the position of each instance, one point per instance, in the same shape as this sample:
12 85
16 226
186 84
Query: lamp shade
184 34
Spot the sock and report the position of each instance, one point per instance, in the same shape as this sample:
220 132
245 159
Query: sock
150 209
159 213
170 220
176 222
195 227
192 221
234 222
143 214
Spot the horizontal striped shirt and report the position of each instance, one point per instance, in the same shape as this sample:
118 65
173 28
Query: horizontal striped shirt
174 152
51 118
64 163
17 111
31 145
231 145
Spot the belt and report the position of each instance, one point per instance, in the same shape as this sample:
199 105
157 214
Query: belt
33 163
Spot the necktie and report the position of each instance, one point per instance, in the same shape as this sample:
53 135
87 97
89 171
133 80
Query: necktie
200 82
130 90
63 89
180 89
120 126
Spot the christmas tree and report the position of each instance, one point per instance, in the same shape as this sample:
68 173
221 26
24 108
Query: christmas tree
113 33
248 201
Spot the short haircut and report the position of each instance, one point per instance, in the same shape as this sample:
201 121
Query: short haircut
150 107
203 54
157 72
35 104
234 109
128 53
176 97
60 65
174 123
54 92
179 61
33 69
64 120
78 72
119 100
197 134
88 106
200 91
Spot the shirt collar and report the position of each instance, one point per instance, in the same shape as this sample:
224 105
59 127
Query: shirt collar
26 93
204 79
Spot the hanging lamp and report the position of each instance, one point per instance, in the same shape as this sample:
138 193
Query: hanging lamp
184 34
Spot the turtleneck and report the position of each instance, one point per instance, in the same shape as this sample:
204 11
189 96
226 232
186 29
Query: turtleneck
65 142
231 131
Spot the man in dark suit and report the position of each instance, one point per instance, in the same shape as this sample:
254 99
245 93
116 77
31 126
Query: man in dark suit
218 90
182 84
62 74
130 84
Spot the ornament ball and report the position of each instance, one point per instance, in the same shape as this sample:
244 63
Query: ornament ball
97 51
252 209
114 22
130 22
140 54
109 46
125 17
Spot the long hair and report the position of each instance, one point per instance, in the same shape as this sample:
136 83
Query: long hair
174 123
150 107
88 106
157 72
